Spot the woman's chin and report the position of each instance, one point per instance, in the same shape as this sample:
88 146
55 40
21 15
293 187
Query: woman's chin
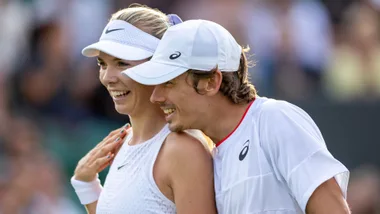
121 109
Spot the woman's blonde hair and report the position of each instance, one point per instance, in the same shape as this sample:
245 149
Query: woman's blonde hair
147 19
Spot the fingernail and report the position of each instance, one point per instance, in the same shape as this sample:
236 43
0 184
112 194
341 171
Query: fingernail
117 139
127 125
108 156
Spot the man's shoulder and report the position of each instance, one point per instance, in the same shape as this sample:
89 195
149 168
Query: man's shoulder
272 105
265 108
275 109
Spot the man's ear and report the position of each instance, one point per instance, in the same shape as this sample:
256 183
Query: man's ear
210 86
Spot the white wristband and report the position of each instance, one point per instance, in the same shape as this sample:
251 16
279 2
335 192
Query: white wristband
87 192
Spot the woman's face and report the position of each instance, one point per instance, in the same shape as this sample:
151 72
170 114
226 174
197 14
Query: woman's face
128 96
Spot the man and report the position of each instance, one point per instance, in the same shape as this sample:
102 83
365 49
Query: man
270 156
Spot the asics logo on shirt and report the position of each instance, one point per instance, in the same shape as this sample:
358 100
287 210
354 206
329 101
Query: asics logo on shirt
244 151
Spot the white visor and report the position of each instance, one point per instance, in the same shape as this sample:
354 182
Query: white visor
124 41
121 51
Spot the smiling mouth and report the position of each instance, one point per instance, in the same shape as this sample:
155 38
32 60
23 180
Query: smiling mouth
119 94
169 111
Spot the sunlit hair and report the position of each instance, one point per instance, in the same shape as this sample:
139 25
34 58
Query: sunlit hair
235 85
147 19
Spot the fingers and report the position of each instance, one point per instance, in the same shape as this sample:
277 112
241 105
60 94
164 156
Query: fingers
111 144
93 153
118 147
108 163
99 150
124 135
108 147
121 136
121 130
102 162
101 156
112 138
115 151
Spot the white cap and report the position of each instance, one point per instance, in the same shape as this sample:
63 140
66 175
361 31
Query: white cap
194 44
124 41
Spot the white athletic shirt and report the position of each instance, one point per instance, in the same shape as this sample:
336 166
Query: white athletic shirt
273 161
130 186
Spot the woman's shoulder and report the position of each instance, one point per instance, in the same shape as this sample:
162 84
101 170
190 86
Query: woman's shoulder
187 142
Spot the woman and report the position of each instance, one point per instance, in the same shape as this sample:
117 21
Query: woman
155 171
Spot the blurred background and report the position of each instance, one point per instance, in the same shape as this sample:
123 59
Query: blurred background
323 55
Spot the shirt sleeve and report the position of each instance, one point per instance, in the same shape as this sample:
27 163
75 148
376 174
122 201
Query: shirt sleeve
296 150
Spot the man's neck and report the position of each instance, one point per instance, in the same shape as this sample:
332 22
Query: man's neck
225 117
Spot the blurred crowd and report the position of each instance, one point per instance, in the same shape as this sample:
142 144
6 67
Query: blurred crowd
53 108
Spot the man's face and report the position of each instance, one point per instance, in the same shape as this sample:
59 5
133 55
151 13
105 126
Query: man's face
182 105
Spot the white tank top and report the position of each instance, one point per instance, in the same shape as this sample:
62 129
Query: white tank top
130 186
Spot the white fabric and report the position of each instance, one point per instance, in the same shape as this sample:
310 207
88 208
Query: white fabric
194 44
286 160
197 134
131 188
87 192
124 41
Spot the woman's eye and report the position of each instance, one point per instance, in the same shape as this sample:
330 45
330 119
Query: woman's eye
101 64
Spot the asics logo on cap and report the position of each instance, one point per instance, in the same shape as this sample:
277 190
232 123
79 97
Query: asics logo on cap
175 55
244 151
112 30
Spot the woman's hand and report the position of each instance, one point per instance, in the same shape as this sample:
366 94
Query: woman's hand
101 156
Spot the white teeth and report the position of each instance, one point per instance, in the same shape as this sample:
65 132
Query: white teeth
169 111
117 93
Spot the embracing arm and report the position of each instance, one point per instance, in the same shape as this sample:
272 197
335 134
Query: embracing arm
190 174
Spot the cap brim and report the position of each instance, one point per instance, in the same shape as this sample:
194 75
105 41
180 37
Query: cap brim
154 73
117 50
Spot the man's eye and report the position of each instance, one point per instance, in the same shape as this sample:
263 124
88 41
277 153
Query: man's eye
123 64
169 83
